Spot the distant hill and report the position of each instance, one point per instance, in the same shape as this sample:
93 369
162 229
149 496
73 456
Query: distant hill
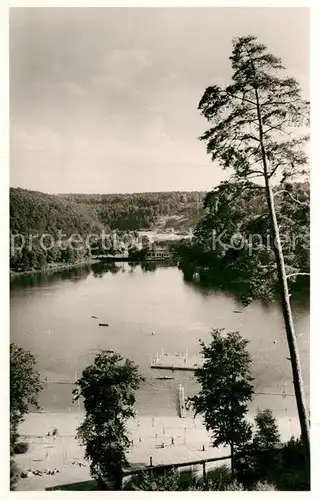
143 211
32 212
36 213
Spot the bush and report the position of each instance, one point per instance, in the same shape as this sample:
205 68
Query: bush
160 480
264 486
21 447
282 466
220 478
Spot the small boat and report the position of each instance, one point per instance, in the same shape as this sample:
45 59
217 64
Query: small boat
103 324
165 378
95 317
237 312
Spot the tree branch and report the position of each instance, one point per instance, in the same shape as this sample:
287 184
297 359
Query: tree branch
250 136
294 199
275 169
297 274
243 99
277 127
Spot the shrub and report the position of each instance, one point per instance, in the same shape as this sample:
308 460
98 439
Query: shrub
218 479
264 486
21 447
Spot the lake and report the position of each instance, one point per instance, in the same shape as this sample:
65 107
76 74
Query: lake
51 315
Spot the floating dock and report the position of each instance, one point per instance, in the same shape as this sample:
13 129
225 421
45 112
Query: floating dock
166 361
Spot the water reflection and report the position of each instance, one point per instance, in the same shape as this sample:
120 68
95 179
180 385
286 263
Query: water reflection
113 267
299 298
41 279
148 266
239 291
103 267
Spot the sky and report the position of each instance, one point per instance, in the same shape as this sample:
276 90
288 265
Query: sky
105 100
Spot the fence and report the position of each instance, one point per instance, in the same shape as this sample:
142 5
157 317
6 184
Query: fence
151 468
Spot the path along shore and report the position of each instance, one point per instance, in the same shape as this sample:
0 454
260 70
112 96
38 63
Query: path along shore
165 439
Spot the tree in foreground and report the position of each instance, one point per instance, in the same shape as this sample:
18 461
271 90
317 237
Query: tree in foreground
267 459
256 125
226 390
108 389
261 459
25 386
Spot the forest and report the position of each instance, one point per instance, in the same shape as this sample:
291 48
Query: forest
242 258
35 213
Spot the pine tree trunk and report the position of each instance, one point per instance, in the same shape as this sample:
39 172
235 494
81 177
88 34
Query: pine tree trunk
286 306
119 481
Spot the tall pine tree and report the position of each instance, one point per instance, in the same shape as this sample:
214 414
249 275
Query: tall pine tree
255 130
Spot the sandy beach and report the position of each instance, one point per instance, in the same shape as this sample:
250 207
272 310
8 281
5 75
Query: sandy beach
160 439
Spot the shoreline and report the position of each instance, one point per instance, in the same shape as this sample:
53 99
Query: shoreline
61 267
51 269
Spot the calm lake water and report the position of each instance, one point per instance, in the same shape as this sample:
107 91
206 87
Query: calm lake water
51 315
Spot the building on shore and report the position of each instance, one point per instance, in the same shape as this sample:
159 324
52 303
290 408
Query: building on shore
159 252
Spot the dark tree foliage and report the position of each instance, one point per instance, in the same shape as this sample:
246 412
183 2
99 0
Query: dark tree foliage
108 390
141 211
21 448
226 389
269 460
266 430
32 212
249 268
25 386
292 476
261 455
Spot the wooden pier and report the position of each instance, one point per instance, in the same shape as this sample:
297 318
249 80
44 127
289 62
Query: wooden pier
166 361
181 400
